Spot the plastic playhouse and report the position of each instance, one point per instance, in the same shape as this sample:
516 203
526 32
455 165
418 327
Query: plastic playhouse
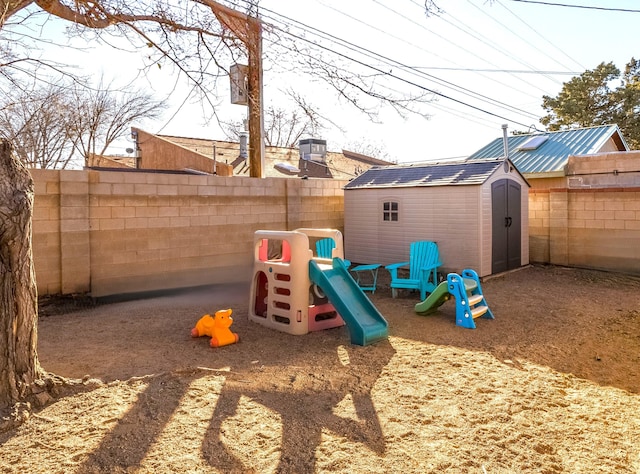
470 302
296 291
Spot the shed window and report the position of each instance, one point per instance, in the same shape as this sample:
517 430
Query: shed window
390 211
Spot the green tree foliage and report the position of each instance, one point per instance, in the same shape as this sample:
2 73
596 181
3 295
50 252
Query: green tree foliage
601 96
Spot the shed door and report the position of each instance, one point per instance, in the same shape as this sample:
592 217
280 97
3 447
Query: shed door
506 225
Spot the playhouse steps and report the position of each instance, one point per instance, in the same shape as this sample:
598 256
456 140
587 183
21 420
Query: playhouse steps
475 299
479 311
470 285
470 302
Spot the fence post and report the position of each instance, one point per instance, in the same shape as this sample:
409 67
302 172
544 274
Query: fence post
559 226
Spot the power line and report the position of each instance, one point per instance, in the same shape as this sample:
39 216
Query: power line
351 47
419 86
471 33
384 32
455 44
420 48
435 78
510 71
554 46
516 35
586 7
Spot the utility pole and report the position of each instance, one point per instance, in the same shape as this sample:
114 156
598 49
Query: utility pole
249 30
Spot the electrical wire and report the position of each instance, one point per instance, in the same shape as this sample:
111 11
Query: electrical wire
351 46
535 31
586 7
471 32
462 48
511 71
524 63
532 70
412 83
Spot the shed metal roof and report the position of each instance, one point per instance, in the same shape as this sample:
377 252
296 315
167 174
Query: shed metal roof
429 174
553 154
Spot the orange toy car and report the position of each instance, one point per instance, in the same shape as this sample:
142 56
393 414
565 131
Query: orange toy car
217 327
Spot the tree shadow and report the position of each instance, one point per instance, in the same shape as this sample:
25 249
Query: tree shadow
306 408
153 408
304 397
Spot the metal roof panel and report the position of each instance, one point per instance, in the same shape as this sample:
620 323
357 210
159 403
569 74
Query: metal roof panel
553 154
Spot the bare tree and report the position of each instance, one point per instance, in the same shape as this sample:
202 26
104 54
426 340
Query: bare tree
54 126
101 115
36 125
365 146
282 127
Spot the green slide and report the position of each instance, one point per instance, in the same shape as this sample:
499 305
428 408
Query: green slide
366 324
435 299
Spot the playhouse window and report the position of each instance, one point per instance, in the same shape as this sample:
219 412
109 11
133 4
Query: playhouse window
390 211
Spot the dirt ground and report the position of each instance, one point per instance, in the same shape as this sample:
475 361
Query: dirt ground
551 385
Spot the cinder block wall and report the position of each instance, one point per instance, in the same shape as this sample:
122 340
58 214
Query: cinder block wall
539 225
593 218
120 232
46 231
604 229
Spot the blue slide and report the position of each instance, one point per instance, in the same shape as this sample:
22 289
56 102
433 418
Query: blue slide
366 324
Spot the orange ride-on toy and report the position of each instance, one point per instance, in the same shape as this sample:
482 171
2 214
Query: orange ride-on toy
217 327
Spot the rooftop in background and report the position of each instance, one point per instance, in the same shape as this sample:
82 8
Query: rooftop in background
447 173
164 153
547 154
281 161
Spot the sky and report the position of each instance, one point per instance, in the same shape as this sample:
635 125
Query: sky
482 63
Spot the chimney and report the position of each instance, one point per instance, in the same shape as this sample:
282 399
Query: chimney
505 141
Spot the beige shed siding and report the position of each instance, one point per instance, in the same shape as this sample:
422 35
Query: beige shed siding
360 233
458 218
447 215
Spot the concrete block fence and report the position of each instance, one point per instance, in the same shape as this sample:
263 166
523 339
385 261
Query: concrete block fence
110 232
586 227
590 218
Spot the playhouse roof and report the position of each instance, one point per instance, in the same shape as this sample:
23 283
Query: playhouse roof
549 152
428 174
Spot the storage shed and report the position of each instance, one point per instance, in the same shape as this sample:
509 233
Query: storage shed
476 211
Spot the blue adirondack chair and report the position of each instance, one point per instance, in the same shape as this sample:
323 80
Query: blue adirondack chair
324 249
423 263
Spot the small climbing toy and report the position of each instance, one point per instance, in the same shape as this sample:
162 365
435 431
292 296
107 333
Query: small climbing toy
217 327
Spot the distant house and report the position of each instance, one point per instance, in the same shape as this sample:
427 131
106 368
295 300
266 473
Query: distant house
476 211
542 158
224 158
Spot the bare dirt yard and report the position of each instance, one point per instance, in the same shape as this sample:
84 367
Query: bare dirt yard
551 385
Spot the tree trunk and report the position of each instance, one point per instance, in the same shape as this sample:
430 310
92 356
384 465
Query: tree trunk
21 376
